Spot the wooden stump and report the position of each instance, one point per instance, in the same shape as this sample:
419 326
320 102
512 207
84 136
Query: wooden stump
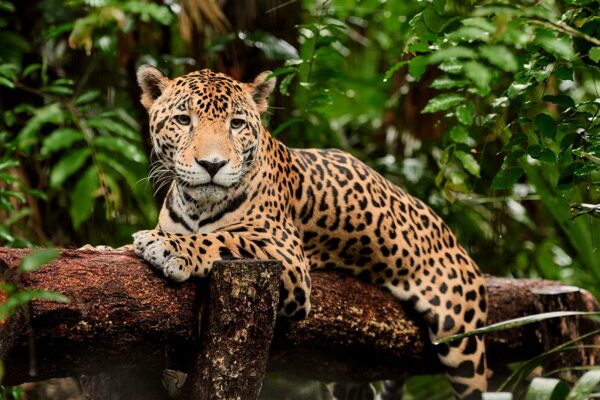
236 331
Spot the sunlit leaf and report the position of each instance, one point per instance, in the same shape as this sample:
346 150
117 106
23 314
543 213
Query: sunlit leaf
468 162
585 386
497 396
444 82
561 47
443 102
451 52
594 54
516 322
546 389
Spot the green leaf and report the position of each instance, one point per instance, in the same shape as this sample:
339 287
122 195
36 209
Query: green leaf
51 114
451 52
497 396
545 124
445 82
547 389
516 322
585 386
285 125
22 297
479 74
465 113
417 66
560 99
451 66
61 138
285 83
468 162
37 258
110 125
481 23
547 155
31 68
68 165
561 48
501 57
459 134
83 196
469 34
443 102
433 20
122 146
564 73
390 72
87 97
594 54
506 178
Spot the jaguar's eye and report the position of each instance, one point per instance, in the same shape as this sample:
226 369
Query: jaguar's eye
237 123
183 119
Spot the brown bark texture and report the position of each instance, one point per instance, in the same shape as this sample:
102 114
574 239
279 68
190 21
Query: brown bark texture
122 313
236 331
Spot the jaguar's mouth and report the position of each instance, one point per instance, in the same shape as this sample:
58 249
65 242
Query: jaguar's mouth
206 185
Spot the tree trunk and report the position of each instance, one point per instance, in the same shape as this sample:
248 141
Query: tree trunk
123 314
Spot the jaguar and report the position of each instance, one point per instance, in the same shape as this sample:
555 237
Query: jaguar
235 191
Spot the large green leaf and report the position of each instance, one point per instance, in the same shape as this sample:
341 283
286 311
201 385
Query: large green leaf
61 138
29 135
479 74
501 57
68 165
83 197
121 146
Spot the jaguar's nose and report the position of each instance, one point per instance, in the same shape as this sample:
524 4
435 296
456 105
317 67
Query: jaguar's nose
212 167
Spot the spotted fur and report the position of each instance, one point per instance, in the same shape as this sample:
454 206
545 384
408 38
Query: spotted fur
236 192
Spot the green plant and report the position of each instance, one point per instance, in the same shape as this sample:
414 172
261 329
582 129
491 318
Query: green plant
18 298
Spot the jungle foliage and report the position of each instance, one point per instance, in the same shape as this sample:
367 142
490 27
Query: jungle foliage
487 110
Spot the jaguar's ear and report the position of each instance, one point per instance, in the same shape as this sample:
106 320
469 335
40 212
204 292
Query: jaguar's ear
261 89
152 82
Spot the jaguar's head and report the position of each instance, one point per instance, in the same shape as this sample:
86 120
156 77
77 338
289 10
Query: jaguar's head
205 127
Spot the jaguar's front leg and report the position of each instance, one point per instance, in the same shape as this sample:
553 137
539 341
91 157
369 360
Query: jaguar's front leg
180 256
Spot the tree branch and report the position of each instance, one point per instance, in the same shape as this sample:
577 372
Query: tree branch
123 313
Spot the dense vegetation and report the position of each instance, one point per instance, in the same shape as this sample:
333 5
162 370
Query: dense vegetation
487 110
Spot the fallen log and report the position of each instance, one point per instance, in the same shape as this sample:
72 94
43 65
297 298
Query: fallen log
122 313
